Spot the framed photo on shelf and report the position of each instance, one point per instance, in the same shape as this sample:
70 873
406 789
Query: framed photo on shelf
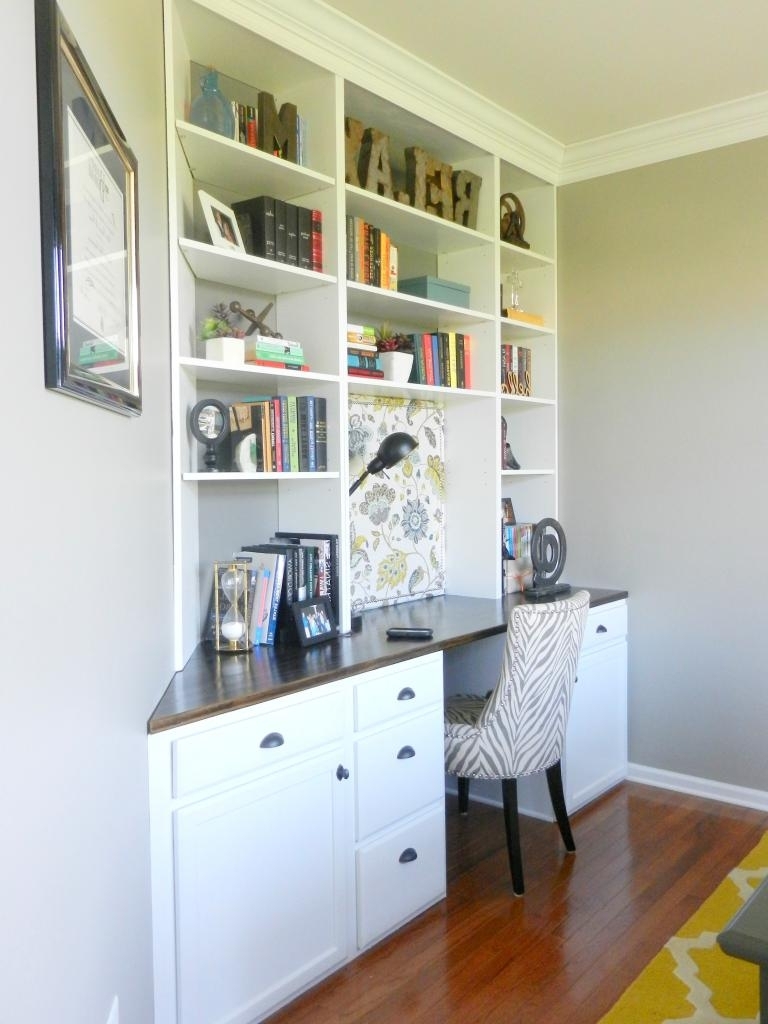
314 621
221 222
88 227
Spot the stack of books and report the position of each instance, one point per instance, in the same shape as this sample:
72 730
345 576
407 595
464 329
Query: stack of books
278 353
442 358
281 434
363 357
297 566
371 255
515 370
281 231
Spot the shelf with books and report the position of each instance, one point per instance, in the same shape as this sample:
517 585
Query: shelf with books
209 371
234 167
228 478
239 270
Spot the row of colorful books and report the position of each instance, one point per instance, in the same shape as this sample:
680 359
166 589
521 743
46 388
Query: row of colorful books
277 230
442 358
291 567
281 434
516 539
515 370
372 256
363 356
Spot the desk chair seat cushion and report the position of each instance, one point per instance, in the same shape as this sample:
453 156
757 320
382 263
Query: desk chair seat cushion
520 728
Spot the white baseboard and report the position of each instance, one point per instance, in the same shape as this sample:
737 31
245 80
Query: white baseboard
709 788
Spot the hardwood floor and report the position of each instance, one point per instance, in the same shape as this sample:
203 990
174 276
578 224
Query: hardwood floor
588 923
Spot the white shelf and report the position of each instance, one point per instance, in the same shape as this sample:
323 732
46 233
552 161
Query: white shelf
522 259
210 371
510 473
365 302
512 328
523 400
250 477
226 164
239 270
409 227
377 386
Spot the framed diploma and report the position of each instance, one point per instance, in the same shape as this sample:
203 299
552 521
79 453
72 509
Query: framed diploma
88 229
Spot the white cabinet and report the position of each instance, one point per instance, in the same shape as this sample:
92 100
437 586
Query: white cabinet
288 835
251 841
399 791
596 740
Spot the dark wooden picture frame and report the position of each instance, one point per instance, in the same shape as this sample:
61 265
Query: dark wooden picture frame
88 228
315 622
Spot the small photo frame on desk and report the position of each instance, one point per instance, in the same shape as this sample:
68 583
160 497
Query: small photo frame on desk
221 222
314 621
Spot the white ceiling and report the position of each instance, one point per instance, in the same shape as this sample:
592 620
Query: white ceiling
584 69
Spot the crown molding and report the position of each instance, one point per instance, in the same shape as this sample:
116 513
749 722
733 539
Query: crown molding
709 128
344 47
348 49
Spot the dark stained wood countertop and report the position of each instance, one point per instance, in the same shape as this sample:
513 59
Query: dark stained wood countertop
211 683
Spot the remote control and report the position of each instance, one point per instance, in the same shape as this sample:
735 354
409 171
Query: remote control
409 633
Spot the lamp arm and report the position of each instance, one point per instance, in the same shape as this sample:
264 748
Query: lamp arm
357 482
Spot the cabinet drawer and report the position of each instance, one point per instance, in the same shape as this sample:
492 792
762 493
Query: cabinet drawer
605 624
399 690
268 738
399 875
398 771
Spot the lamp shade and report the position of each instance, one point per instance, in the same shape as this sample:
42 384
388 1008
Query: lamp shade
392 450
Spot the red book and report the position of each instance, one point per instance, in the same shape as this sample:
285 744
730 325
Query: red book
359 371
429 368
317 241
278 436
467 361
277 365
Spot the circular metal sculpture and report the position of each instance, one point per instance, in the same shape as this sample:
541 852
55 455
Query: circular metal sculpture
209 423
548 549
513 220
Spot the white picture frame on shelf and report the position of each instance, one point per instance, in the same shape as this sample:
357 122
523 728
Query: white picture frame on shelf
221 223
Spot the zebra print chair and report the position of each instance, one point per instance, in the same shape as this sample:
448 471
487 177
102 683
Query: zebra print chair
519 727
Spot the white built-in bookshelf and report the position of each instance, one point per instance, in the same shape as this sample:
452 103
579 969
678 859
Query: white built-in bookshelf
215 514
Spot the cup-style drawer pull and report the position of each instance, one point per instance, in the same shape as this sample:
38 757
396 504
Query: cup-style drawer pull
405 752
272 739
408 855
601 629
406 694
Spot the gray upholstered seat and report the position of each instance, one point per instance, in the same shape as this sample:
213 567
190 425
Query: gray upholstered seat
519 728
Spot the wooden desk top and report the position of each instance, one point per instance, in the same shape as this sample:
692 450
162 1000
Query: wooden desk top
211 683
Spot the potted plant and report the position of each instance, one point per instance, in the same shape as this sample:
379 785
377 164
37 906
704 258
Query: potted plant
396 352
223 340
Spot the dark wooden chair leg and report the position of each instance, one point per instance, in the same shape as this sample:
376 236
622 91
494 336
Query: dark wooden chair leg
512 823
463 794
556 795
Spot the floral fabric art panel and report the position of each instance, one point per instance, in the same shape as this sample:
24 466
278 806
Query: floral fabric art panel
397 518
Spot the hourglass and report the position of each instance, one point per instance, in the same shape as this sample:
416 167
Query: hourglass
231 606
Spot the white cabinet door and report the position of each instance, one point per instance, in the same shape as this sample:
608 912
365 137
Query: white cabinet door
261 892
596 740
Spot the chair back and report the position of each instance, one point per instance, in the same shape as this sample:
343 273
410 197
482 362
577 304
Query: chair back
523 721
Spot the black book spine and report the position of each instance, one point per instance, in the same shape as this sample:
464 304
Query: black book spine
291 235
305 237
281 231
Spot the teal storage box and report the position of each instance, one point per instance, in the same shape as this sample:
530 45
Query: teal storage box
435 288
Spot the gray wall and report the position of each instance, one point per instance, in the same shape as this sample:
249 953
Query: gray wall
663 297
85 631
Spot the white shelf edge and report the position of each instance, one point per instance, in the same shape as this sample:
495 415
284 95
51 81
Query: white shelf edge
211 263
369 385
470 237
525 326
526 399
416 302
203 477
214 371
510 473
523 256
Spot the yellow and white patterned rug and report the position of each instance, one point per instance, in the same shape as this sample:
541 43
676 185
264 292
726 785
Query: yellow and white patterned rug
691 981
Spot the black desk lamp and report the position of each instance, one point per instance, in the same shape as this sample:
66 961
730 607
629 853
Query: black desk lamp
392 450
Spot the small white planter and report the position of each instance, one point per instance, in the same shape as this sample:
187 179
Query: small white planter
226 350
397 366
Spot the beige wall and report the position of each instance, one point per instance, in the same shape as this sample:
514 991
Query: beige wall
85 631
663 296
